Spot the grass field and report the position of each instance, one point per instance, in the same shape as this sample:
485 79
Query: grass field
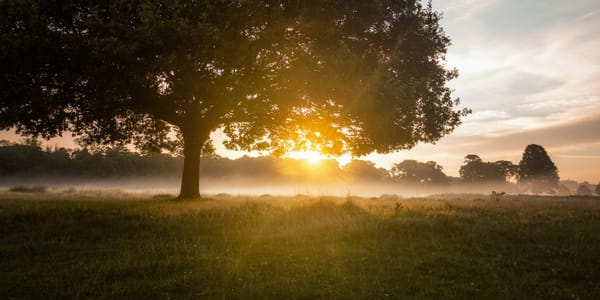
299 248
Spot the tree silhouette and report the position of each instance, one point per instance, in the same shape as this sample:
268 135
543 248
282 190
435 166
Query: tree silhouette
506 169
584 190
597 190
570 184
475 169
470 170
537 169
563 190
413 171
365 170
333 76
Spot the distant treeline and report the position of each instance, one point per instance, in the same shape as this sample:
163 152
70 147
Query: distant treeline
28 159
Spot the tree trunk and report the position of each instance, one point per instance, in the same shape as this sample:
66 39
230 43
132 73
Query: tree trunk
192 147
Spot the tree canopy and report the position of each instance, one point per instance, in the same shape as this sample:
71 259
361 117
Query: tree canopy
412 171
333 76
475 169
584 190
537 170
365 170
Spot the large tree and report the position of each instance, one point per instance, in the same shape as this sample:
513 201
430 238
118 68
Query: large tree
334 76
537 170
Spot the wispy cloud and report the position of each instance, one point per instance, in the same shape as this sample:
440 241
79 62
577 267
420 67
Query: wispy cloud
544 70
458 10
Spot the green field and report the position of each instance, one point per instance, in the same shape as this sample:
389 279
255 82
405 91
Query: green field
299 248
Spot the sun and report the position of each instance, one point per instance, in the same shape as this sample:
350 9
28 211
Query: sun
312 157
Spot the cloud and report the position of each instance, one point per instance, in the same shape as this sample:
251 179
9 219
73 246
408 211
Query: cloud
535 62
488 115
529 83
570 135
458 10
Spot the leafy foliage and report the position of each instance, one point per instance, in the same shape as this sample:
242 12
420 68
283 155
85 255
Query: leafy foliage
475 169
537 169
365 170
30 160
412 171
334 75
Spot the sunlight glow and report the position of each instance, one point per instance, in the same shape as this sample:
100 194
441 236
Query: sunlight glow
311 157
344 159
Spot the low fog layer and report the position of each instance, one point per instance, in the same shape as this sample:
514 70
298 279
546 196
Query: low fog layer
27 165
247 186
311 183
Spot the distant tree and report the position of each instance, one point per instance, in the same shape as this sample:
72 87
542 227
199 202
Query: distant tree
344 76
506 169
469 171
27 159
584 190
60 161
412 171
475 169
570 184
470 158
365 170
597 189
563 190
537 170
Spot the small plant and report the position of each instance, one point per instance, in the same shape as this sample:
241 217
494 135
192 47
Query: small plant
349 197
27 189
398 208
497 196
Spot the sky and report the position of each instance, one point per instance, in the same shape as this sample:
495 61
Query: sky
530 71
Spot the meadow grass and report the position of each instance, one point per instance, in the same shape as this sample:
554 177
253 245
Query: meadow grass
299 248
